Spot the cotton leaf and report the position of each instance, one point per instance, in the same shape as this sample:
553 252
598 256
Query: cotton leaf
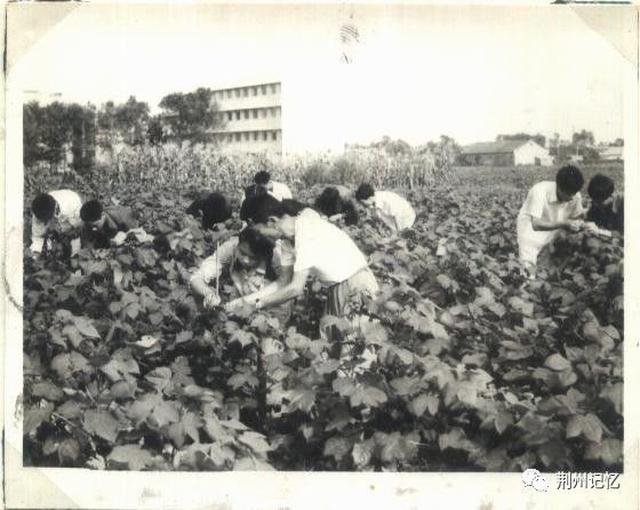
419 405
337 447
133 456
362 453
70 410
141 408
609 451
574 426
184 336
251 464
159 377
255 441
368 396
35 416
48 390
67 364
302 399
613 394
164 413
101 423
557 362
85 327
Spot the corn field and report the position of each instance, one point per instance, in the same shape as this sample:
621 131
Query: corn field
204 167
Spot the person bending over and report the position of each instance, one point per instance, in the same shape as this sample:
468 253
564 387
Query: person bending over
395 211
101 224
250 261
332 204
607 207
550 207
213 208
57 210
320 249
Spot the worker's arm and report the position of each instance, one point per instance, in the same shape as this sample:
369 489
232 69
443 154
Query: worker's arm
291 290
539 224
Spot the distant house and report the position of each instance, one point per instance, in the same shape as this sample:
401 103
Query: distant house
611 153
505 153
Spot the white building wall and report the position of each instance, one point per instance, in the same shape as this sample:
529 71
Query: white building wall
528 153
251 116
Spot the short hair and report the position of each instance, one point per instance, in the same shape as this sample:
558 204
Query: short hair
260 246
254 190
91 211
364 191
569 179
215 209
262 177
600 188
329 202
255 206
44 207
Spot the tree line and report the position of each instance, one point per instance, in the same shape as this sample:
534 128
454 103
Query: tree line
69 133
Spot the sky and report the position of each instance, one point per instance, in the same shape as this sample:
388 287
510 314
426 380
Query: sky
417 71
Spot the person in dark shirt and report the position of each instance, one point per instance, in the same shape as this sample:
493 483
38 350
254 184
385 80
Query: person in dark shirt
333 205
607 207
212 208
101 224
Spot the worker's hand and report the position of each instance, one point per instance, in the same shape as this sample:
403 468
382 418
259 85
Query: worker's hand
575 225
239 307
211 300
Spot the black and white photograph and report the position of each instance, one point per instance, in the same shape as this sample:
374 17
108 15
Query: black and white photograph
336 238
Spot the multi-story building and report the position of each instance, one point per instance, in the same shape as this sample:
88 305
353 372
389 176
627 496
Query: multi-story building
252 118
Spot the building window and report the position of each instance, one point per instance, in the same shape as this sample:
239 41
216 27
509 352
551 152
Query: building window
264 135
246 114
238 137
255 136
263 89
255 114
247 137
273 88
254 91
230 139
230 116
263 113
237 92
229 94
237 115
245 92
274 135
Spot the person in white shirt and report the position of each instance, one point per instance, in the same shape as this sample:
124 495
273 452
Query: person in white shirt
549 208
322 250
251 262
395 211
59 209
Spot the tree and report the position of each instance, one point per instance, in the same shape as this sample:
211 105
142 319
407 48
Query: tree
619 142
192 116
155 131
583 138
127 121
50 131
